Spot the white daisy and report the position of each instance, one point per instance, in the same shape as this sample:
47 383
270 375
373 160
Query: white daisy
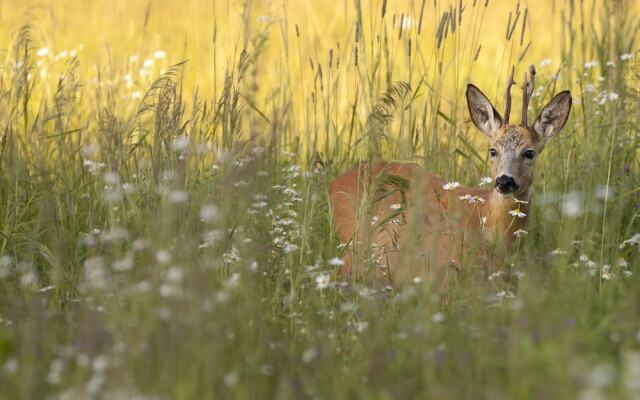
517 213
451 185
520 233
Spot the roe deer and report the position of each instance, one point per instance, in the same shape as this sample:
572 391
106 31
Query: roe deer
411 223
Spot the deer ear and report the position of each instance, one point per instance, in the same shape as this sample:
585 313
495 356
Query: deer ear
553 116
483 114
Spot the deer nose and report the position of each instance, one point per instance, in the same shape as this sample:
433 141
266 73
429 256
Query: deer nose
506 184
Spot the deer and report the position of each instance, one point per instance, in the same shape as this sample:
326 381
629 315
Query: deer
408 224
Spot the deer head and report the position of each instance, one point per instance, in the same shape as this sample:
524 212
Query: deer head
513 149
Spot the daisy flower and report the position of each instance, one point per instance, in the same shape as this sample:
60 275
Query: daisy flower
520 233
517 213
451 185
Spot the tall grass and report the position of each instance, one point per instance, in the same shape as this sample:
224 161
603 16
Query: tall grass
164 225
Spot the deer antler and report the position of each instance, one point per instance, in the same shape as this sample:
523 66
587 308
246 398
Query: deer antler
507 96
527 91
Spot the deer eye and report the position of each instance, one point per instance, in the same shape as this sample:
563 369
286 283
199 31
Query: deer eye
493 153
530 154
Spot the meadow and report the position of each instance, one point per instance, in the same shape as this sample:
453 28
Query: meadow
164 225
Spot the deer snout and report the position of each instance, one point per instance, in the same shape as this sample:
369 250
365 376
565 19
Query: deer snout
506 184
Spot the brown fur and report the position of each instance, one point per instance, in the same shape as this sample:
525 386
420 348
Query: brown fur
435 228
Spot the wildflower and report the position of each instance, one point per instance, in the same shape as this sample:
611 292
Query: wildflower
231 379
545 62
626 56
591 64
241 184
309 355
610 63
258 150
622 263
604 192
134 58
10 366
111 178
140 244
123 264
95 273
495 275
178 197
472 199
233 281
590 88
6 263
486 180
136 95
29 279
56 369
159 54
180 144
91 150
209 213
505 295
417 280
437 317
336 262
633 240
259 204
361 326
42 52
374 220
114 234
451 185
87 239
163 256
612 96
93 166
290 248
558 252
148 63
517 213
289 154
232 256
396 206
605 272
290 192
322 281
520 233
572 204
253 267
591 266
367 293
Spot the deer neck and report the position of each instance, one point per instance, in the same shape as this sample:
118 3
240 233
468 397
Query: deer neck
503 216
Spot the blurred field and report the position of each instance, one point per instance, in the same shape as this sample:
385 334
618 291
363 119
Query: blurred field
164 226
292 40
